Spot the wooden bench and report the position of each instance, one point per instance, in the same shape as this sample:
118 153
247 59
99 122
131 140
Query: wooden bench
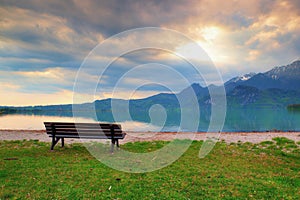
60 130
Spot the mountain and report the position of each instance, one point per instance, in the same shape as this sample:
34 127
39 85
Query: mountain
240 79
196 88
275 88
248 96
284 77
232 83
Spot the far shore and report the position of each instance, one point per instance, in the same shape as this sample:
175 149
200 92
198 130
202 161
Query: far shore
228 137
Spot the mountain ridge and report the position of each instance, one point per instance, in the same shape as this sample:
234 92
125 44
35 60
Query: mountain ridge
279 86
284 77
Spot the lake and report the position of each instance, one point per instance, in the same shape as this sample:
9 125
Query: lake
236 120
36 122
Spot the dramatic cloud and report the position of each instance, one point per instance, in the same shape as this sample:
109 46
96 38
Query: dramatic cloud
38 36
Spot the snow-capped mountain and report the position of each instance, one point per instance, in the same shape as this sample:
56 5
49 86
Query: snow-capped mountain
291 71
245 77
284 77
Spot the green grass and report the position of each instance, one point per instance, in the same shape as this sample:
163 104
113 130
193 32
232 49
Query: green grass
269 170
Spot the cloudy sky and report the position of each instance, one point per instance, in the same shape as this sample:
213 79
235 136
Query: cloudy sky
44 43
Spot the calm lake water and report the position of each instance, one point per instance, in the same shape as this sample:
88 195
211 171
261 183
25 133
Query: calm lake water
36 122
236 120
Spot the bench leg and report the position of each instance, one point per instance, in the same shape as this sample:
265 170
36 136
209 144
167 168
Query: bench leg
113 142
62 142
54 142
118 144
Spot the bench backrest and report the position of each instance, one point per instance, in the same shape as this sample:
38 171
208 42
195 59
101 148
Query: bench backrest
90 130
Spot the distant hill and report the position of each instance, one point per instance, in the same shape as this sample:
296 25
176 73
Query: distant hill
247 96
278 87
294 107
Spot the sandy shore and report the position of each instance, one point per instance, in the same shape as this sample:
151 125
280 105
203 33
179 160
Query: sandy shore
253 137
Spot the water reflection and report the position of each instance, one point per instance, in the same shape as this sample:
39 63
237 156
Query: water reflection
236 120
262 120
32 122
36 122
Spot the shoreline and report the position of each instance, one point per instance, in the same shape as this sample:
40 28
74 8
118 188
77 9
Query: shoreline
228 137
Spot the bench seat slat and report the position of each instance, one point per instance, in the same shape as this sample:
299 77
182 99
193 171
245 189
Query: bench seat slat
84 130
90 136
83 133
79 125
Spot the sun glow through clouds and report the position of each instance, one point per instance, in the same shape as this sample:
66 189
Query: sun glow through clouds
211 41
210 33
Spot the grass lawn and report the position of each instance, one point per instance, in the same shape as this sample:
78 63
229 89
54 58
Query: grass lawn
269 170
